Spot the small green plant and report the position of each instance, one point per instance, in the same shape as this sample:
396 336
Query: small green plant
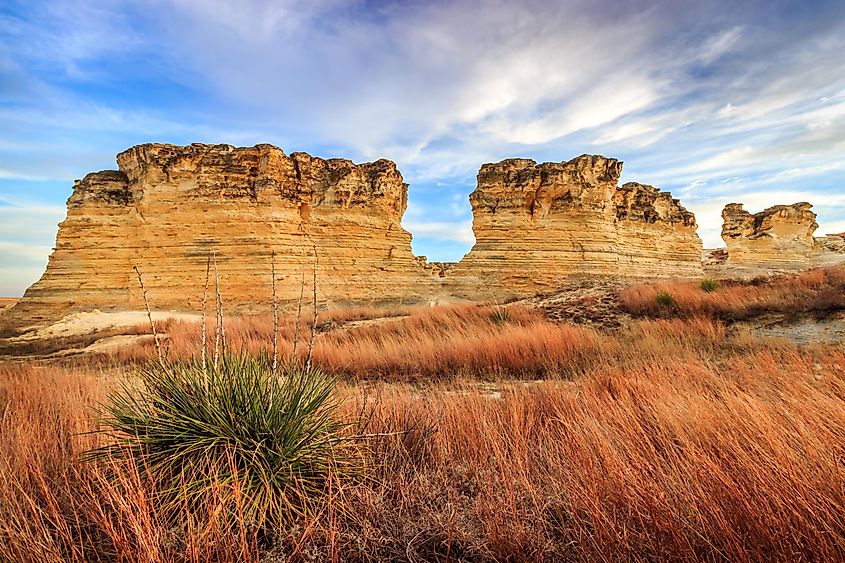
236 437
500 315
709 285
665 299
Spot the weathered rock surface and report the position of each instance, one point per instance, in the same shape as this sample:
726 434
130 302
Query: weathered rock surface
780 237
834 243
169 208
777 239
537 224
436 269
538 227
714 257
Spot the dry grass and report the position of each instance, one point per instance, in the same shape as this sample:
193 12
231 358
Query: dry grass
55 508
490 342
465 342
488 437
816 292
673 439
681 462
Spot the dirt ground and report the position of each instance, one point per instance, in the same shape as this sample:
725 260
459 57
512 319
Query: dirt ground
806 330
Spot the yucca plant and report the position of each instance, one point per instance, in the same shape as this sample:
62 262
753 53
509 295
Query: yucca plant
236 436
709 285
665 299
500 315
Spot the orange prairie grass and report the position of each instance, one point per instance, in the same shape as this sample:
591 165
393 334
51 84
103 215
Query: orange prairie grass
816 291
683 459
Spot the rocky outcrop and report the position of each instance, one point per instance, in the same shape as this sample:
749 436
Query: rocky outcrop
777 239
169 208
780 237
537 224
436 269
834 243
714 257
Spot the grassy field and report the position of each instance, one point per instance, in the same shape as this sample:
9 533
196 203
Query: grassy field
484 434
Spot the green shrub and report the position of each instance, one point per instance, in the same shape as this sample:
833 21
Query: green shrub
709 285
500 314
665 299
239 438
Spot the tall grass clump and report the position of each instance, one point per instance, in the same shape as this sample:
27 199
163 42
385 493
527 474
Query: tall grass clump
709 285
500 315
257 446
665 299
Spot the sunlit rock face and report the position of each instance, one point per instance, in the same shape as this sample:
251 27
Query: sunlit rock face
169 208
538 224
834 243
779 237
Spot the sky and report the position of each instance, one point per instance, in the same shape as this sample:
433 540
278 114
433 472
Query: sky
715 101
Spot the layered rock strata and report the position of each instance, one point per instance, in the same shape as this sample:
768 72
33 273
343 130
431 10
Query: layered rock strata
168 209
436 269
780 237
537 224
833 243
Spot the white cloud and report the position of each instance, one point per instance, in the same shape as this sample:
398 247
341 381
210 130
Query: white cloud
835 227
28 252
6 174
20 265
719 45
442 230
32 224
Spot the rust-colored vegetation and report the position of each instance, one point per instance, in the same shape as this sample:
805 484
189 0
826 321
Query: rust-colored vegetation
483 436
816 292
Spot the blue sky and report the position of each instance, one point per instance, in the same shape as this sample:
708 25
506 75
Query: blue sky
715 101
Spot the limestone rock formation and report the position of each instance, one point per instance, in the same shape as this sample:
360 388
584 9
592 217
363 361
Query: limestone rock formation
780 237
714 257
436 269
537 224
169 208
833 243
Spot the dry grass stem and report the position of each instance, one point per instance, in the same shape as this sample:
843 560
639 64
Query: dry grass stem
149 314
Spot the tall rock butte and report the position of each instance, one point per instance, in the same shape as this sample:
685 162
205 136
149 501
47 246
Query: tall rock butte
777 238
537 224
169 208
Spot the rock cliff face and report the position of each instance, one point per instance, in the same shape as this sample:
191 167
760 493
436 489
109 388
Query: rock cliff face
780 237
168 208
834 243
537 224
436 269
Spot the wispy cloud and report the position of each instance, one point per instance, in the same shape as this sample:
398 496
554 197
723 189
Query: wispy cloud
442 230
716 101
